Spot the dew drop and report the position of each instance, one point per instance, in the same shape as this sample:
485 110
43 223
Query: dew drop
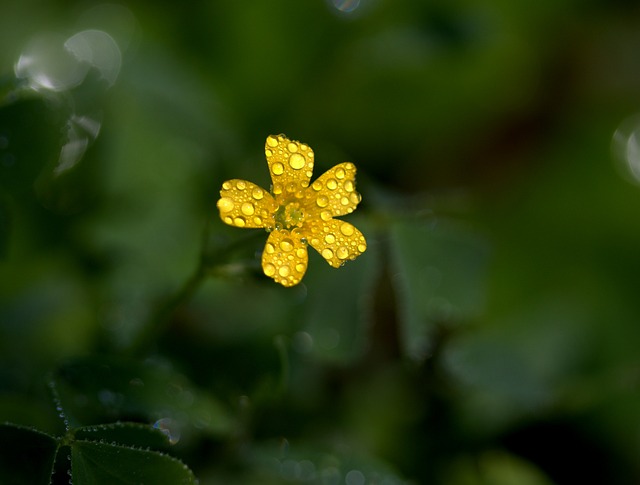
292 147
269 248
342 253
269 269
228 220
239 221
362 247
327 253
226 185
286 245
272 142
322 201
347 229
317 185
332 184
257 193
296 161
340 173
277 168
325 215
248 209
355 198
268 153
284 271
348 186
344 201
300 267
257 221
300 252
225 204
329 239
241 185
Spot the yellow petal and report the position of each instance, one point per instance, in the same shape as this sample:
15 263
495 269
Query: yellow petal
285 258
337 241
290 164
334 192
244 204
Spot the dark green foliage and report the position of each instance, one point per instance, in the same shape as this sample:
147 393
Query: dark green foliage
489 331
26 455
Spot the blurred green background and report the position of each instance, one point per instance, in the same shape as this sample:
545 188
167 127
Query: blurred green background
490 333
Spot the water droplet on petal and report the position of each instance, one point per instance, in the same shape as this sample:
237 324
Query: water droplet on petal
332 184
269 248
239 221
286 245
325 215
329 239
269 269
248 209
317 185
344 201
322 201
296 161
272 142
347 229
340 173
277 168
355 198
241 185
268 152
300 267
225 204
257 193
226 185
327 253
300 252
362 247
292 147
284 271
257 221
348 186
228 220
342 253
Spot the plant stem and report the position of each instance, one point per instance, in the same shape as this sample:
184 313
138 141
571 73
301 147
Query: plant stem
160 319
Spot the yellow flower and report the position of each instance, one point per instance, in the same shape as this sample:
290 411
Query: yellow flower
296 213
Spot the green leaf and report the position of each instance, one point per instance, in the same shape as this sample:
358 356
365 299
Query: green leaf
130 434
497 468
108 464
98 390
26 455
337 310
440 273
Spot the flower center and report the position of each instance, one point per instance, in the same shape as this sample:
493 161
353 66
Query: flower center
289 216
